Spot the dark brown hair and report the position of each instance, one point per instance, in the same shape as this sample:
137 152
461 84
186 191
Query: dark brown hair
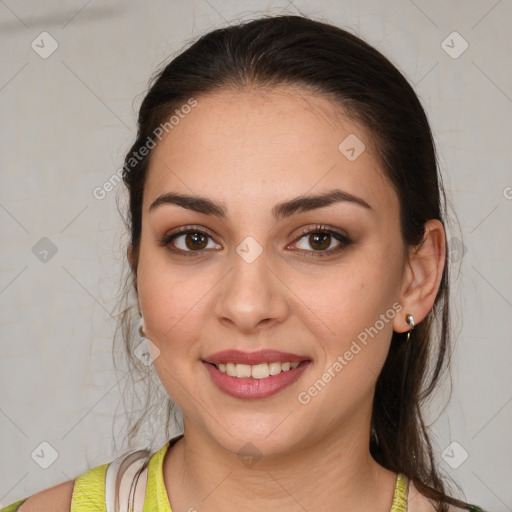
299 51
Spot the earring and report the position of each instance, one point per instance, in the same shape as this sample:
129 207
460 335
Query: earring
146 351
410 320
140 328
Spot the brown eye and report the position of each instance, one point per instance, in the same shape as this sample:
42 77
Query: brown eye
195 241
320 239
188 241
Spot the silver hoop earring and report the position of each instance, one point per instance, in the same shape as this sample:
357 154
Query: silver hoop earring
410 320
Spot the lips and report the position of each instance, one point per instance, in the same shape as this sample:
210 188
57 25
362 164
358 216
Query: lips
253 358
255 375
246 387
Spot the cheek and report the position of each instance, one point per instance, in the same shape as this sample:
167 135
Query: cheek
170 296
351 317
344 302
172 300
353 339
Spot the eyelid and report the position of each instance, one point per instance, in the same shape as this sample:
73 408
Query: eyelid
320 228
189 227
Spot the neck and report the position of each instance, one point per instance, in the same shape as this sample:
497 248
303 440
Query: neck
333 470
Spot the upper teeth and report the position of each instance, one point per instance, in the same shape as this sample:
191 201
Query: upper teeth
257 371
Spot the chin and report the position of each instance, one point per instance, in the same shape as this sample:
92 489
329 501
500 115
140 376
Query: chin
256 444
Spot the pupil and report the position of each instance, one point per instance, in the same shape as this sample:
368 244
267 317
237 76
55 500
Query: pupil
321 236
196 243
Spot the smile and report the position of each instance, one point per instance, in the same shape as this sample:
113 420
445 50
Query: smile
256 371
255 381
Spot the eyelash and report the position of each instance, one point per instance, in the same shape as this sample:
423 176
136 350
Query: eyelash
319 229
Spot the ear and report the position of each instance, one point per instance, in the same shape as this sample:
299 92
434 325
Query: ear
422 276
130 254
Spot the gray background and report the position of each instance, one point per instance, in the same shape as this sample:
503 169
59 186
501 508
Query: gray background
67 121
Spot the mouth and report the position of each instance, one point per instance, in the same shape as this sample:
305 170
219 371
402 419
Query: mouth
255 375
257 371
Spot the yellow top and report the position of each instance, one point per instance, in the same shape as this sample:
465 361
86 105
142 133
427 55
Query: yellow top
89 488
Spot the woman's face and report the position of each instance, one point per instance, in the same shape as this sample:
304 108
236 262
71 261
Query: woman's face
255 282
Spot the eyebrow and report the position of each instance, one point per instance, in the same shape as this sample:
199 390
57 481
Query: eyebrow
279 211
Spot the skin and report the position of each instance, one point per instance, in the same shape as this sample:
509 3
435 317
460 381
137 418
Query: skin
251 150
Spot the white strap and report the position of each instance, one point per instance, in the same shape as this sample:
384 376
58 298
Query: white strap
139 491
125 482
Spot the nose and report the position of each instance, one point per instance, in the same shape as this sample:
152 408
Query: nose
252 296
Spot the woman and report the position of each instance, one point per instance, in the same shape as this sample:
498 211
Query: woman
288 253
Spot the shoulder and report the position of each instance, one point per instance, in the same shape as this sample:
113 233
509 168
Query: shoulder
86 492
53 499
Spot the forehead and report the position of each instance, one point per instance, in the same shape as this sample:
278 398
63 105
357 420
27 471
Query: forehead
258 145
